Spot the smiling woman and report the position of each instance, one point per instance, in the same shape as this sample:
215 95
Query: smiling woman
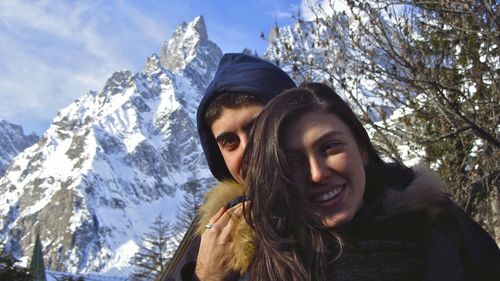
324 206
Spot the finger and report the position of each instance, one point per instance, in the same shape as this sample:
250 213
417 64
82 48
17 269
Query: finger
237 212
234 216
221 219
217 216
227 232
226 217
246 204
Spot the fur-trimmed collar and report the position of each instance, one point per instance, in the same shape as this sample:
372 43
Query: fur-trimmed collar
425 193
243 247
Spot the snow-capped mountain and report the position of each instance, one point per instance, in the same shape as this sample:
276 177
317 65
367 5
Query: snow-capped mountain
12 142
112 161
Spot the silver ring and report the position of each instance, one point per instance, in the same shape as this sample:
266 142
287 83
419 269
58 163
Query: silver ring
208 226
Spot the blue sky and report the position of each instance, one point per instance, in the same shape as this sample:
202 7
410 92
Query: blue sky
52 52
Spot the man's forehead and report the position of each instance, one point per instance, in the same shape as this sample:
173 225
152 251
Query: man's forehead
232 119
244 106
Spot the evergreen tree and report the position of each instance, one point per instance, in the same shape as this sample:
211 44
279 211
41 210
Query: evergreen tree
9 270
186 211
37 265
433 62
154 252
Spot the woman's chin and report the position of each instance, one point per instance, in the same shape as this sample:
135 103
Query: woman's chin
336 220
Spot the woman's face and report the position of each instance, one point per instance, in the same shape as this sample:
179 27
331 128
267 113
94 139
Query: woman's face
326 160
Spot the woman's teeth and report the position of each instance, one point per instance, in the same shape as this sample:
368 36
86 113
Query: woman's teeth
329 195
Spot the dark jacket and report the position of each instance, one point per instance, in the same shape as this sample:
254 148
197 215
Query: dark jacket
237 73
456 248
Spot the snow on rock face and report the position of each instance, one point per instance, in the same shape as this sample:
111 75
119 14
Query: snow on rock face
190 51
12 142
112 161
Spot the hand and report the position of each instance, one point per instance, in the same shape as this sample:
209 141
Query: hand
215 254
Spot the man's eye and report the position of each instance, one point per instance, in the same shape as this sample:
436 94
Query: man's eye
230 143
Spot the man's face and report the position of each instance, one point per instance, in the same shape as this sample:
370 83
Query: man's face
231 133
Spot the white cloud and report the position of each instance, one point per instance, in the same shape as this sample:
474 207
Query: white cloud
283 14
52 52
150 26
60 21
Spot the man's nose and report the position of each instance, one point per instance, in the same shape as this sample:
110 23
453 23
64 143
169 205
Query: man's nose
243 142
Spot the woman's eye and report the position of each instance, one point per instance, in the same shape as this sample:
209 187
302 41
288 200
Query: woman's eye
332 148
296 163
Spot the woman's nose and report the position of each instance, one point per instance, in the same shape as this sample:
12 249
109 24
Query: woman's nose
318 169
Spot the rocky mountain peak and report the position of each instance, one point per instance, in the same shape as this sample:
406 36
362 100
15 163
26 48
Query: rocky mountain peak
185 44
152 64
12 142
198 24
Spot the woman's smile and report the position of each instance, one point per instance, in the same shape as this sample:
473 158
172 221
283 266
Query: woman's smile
328 194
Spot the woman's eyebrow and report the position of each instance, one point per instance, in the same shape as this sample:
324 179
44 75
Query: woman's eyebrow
328 135
321 139
292 153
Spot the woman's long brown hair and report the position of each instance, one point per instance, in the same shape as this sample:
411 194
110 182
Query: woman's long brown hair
291 242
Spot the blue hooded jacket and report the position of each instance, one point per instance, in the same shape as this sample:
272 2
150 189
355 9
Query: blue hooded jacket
237 73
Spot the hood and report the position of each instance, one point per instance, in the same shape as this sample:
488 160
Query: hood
237 73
